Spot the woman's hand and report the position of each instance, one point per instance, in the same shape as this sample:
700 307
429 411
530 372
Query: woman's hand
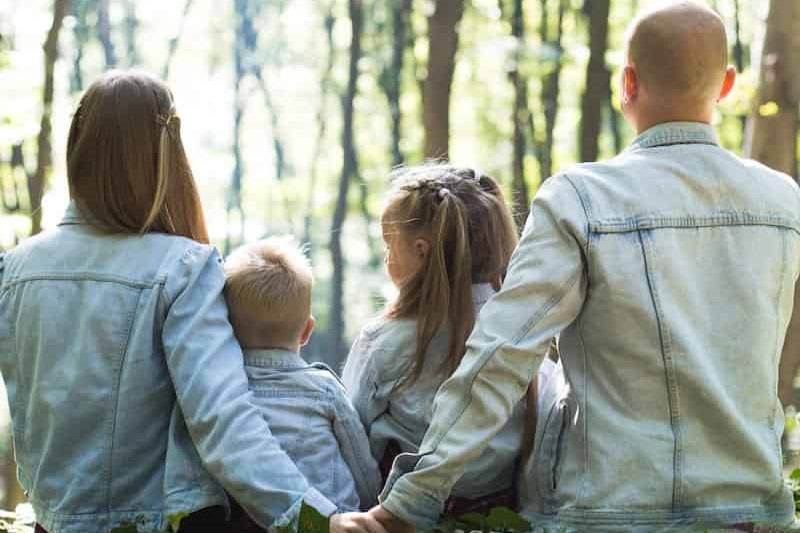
356 523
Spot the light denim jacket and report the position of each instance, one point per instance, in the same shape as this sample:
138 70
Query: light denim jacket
669 272
310 413
376 363
101 337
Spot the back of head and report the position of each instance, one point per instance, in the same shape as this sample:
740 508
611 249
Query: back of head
268 289
126 165
461 213
679 51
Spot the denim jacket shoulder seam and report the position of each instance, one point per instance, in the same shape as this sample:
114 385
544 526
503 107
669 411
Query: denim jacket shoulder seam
585 206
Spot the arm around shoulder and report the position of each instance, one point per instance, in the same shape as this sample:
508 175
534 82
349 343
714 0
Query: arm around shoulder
207 370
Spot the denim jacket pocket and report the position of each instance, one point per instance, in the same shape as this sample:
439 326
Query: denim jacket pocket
549 453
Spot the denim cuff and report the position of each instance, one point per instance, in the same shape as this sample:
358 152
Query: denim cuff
409 503
291 518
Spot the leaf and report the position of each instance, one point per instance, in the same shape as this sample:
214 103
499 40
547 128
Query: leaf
770 109
175 520
311 521
504 519
472 521
795 475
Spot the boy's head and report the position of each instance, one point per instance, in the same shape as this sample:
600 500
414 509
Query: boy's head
268 289
677 66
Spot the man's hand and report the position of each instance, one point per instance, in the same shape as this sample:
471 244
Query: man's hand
355 523
389 521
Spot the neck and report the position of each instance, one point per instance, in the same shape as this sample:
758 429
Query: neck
647 118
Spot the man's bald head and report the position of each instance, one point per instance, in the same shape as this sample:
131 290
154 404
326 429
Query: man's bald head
680 52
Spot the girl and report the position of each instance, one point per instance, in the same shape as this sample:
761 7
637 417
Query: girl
449 236
115 343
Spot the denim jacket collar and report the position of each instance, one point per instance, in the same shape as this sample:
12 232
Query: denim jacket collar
273 358
671 133
73 215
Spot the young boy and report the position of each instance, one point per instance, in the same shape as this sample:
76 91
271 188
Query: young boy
268 291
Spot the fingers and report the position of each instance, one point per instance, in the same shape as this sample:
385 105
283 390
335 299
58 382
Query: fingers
391 522
355 523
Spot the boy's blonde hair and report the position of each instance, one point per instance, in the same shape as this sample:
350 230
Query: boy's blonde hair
268 289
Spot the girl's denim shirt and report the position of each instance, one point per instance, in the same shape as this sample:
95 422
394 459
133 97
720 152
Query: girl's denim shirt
102 337
669 272
377 361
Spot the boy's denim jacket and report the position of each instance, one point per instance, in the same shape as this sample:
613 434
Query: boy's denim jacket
310 413
669 272
101 337
376 363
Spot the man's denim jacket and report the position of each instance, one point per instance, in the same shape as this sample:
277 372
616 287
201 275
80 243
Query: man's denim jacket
101 337
310 413
669 272
377 361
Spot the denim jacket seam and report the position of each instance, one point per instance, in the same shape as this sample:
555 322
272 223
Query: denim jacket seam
118 378
671 383
586 207
82 276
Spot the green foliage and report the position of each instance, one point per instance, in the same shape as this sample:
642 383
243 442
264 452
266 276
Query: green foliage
175 520
499 519
129 528
311 521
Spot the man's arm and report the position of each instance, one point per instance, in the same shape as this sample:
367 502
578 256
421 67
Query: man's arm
542 294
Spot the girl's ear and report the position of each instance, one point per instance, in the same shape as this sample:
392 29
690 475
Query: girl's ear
421 248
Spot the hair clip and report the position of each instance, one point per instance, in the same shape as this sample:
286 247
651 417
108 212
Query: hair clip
164 120
444 191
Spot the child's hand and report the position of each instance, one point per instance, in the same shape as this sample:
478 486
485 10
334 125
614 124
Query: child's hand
355 523
392 523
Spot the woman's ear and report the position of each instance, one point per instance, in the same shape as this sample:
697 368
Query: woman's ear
421 248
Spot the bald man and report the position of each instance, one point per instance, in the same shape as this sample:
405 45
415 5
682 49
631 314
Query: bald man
667 273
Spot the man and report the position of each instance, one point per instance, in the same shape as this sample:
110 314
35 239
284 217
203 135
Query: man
668 273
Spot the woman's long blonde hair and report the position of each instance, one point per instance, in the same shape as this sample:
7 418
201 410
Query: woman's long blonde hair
126 165
463 215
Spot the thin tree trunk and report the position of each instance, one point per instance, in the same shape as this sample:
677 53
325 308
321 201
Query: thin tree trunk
349 169
401 11
38 180
322 128
551 88
738 54
173 42
104 33
521 116
80 10
443 45
772 136
233 206
597 88
131 28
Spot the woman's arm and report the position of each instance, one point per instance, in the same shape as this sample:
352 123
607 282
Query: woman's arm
207 369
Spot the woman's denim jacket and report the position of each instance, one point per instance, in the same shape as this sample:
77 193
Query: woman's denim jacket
376 364
669 272
102 337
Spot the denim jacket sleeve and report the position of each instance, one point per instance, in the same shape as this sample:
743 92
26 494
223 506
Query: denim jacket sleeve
354 446
543 293
207 369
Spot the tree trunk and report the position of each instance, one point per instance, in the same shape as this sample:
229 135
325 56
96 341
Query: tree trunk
38 180
104 32
598 87
401 11
443 45
772 136
322 128
521 116
349 169
173 42
551 87
80 11
131 29
233 207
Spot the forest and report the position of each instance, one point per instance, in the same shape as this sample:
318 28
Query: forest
295 112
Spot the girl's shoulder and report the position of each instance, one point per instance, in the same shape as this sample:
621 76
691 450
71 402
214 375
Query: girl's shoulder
389 334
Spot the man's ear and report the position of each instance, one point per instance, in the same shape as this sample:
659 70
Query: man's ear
421 248
306 335
630 84
728 83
